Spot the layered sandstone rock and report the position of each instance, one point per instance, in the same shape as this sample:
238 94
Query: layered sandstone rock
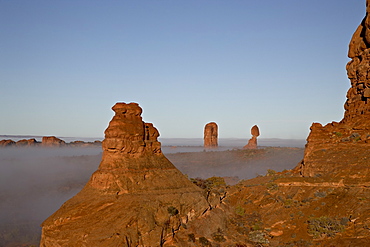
211 135
7 143
352 134
25 142
252 143
52 141
135 198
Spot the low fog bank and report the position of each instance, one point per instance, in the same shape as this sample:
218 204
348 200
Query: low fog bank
35 182
234 142
243 164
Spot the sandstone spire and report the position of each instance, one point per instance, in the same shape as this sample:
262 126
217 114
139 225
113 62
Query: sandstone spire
135 198
252 143
211 135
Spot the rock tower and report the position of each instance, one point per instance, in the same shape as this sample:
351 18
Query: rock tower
350 138
252 143
211 135
135 198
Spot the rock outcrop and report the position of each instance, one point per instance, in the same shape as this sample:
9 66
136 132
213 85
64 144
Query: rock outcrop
211 135
352 134
52 141
7 143
252 143
135 198
25 142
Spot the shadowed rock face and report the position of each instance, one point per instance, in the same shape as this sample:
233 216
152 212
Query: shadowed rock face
136 197
211 135
252 143
352 134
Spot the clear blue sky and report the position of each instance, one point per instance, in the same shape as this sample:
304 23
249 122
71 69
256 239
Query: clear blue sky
277 64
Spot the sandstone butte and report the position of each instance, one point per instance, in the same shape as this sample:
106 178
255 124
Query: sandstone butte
211 135
324 201
135 198
252 143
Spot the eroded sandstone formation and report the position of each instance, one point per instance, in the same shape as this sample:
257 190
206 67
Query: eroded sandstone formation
352 133
7 143
211 135
252 143
25 142
52 141
135 198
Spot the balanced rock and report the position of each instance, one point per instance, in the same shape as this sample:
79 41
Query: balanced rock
52 141
347 142
135 198
252 143
211 135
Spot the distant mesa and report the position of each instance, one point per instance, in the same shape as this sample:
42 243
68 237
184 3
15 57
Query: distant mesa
52 141
25 142
47 141
136 197
211 135
7 143
252 143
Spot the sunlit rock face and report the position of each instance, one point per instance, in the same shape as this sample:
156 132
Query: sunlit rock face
52 141
211 135
135 198
252 143
352 134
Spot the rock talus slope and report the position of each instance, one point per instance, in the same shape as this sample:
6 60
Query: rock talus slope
135 198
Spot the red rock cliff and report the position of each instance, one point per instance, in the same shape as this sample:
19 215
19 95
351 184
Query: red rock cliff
332 149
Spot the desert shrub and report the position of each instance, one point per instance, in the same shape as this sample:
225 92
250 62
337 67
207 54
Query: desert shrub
204 241
257 226
270 172
290 203
172 210
258 237
272 186
338 134
320 194
191 237
240 210
218 237
209 183
299 243
324 225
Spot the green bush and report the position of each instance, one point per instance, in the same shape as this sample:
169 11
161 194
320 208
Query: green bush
324 225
